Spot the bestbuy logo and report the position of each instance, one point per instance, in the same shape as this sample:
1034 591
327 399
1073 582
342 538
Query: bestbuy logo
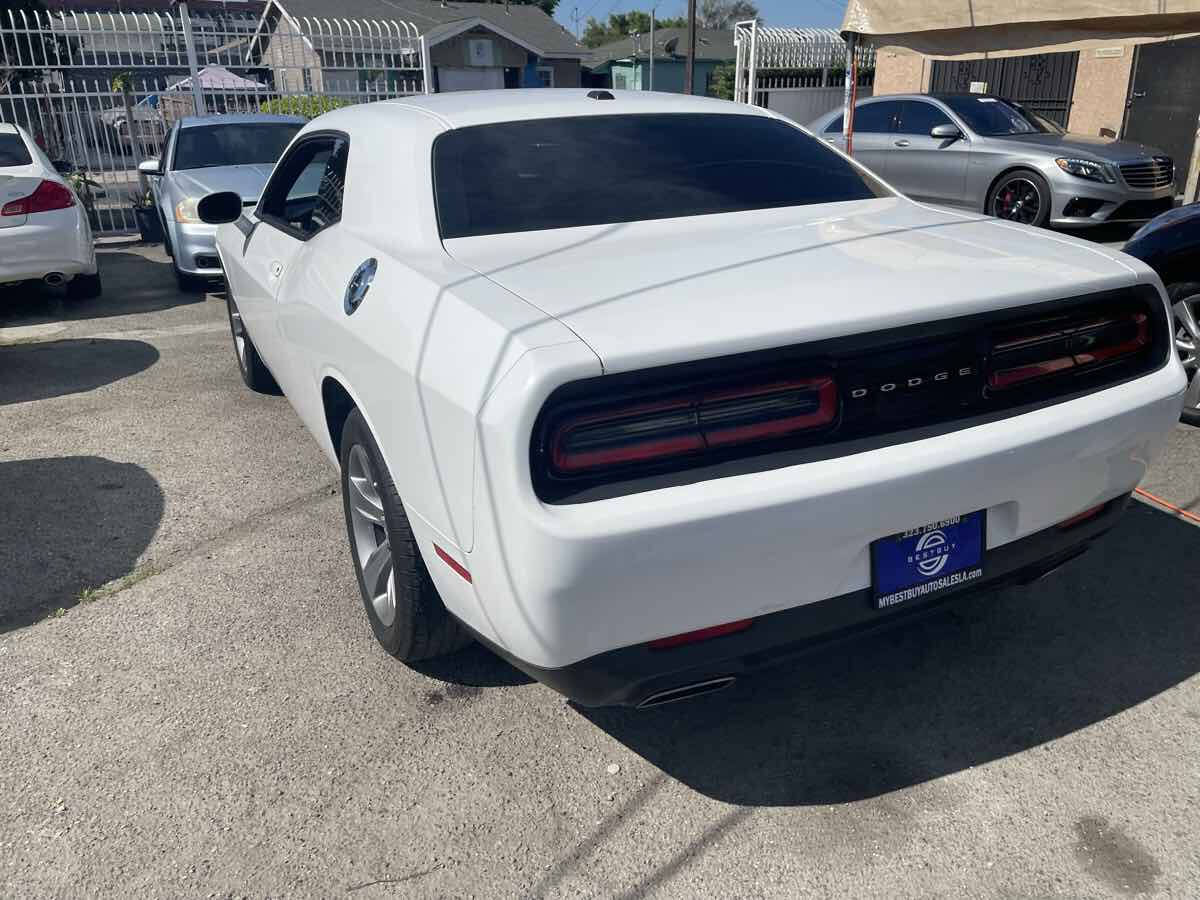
914 382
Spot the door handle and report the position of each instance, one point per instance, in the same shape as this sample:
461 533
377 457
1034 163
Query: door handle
901 143
276 269
1138 95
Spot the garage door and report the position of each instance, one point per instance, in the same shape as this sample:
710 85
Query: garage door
472 79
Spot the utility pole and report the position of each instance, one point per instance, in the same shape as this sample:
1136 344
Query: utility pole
575 16
653 9
689 68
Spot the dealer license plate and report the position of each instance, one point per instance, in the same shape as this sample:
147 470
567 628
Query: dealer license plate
923 562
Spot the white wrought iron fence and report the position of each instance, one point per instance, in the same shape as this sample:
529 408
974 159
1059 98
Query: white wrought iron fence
799 72
100 90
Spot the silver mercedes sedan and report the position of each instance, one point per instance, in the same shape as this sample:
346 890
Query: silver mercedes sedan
985 153
203 155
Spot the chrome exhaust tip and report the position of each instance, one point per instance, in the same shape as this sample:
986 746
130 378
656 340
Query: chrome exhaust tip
687 691
54 279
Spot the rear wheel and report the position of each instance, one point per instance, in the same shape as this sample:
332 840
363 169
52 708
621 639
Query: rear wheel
84 287
1185 303
254 371
406 614
1021 196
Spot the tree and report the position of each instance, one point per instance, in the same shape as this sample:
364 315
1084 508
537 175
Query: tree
723 78
24 55
546 5
722 14
620 25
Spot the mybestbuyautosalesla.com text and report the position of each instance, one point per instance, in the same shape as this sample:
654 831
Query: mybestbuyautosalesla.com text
930 587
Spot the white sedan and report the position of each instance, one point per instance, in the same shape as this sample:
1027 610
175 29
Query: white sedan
44 232
647 391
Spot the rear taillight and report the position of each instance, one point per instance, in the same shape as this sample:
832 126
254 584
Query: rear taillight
1052 348
49 195
690 423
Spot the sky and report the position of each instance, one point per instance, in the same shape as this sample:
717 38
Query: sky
811 13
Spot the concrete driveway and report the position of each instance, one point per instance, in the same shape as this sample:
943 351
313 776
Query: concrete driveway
191 703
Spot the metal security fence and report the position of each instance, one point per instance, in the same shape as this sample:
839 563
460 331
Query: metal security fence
99 91
799 72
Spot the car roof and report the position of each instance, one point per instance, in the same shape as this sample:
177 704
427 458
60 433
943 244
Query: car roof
239 119
460 109
6 128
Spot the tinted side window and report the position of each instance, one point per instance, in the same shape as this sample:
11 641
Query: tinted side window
306 190
874 118
597 170
13 151
868 118
919 117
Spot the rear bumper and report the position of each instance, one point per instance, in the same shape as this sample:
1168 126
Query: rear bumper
57 241
641 676
555 586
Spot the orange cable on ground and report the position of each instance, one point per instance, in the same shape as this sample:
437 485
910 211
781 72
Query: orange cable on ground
1171 506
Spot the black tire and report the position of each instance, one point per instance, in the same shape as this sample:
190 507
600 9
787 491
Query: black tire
422 627
1014 206
85 287
190 284
1178 293
254 371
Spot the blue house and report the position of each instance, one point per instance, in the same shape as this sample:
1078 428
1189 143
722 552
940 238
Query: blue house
625 64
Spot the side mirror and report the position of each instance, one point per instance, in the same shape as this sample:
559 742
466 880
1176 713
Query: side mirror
150 167
946 132
219 208
63 167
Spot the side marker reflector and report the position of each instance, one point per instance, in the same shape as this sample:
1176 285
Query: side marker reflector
452 563
703 634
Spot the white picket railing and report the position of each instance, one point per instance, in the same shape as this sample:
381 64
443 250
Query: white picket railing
99 90
797 71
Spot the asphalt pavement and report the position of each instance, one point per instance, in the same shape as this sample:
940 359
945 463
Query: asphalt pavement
191 702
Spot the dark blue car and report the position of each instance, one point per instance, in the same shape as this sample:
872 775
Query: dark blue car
1170 245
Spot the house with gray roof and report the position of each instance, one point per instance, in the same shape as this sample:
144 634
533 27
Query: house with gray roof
625 64
471 46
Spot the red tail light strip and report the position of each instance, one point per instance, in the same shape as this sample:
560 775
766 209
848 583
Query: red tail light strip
694 423
1081 344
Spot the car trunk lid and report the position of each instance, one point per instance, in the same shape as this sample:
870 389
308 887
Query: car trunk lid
16 182
652 293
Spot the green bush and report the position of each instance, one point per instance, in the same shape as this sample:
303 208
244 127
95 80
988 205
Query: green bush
310 105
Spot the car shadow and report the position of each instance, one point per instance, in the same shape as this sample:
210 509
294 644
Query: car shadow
473 666
133 283
68 524
998 676
46 369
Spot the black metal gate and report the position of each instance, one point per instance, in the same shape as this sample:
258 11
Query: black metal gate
1042 82
1164 100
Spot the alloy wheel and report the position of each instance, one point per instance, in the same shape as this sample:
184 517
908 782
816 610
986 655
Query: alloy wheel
371 546
1017 200
1187 339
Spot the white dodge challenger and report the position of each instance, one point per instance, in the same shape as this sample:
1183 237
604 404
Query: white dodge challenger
646 391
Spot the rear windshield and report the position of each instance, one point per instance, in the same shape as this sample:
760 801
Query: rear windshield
232 145
596 170
13 151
